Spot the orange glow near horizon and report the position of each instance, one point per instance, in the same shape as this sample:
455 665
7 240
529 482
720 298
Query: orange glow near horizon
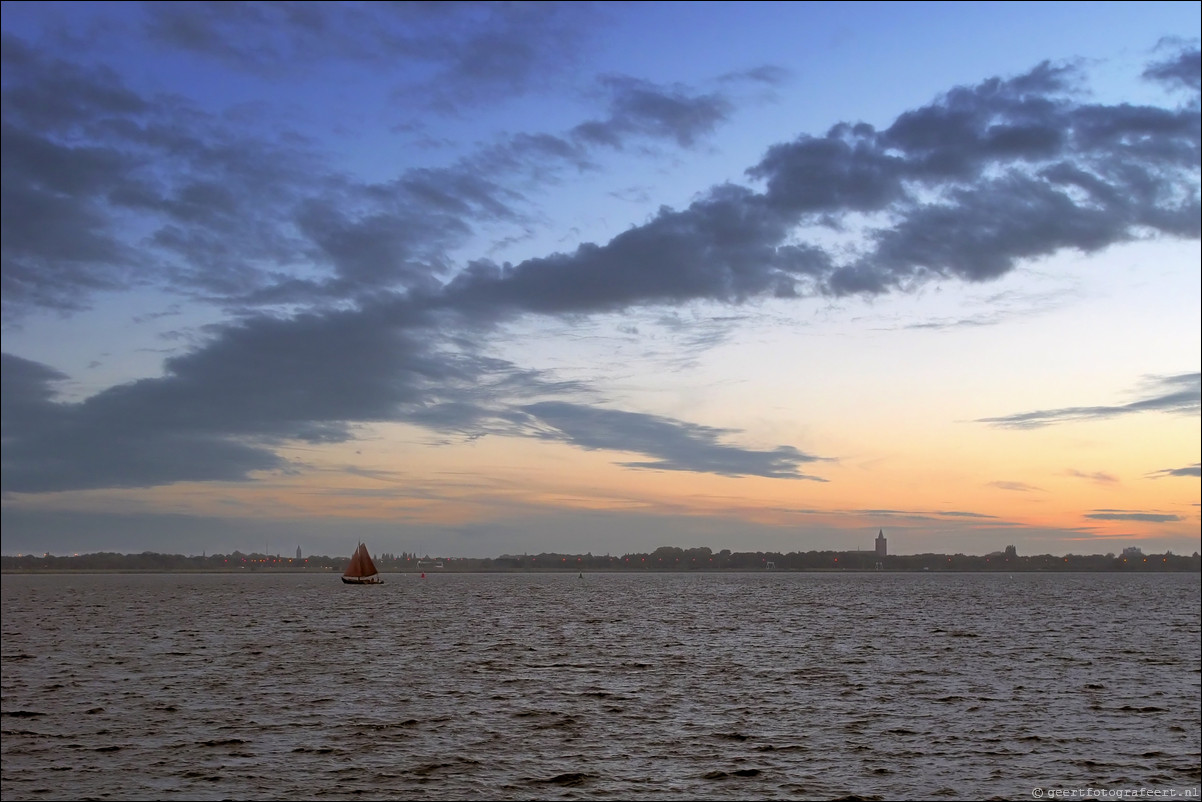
959 487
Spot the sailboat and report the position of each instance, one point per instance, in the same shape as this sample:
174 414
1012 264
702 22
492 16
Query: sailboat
361 571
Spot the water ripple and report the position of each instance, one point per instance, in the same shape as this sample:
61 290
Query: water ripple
614 686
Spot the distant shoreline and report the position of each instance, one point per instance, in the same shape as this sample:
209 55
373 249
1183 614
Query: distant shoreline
665 559
435 572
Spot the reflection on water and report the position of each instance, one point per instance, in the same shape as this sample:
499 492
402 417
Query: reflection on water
616 686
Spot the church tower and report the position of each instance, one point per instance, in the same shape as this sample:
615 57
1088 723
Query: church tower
881 544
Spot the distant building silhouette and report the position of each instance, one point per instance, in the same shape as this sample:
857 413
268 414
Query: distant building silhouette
298 552
881 544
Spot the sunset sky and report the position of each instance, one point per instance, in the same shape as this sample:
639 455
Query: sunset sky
473 279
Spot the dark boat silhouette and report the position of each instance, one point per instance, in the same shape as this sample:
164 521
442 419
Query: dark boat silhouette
361 571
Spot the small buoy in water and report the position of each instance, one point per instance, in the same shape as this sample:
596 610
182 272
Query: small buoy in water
423 574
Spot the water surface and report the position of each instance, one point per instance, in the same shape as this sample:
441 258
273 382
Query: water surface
606 686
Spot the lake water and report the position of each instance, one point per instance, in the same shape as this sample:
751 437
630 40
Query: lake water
606 686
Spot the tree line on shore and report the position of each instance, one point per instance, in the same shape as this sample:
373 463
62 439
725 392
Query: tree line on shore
665 558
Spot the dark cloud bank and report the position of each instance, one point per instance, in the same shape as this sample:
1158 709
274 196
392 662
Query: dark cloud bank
965 188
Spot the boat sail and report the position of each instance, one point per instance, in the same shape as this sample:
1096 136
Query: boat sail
361 571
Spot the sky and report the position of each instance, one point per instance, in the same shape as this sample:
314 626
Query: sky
473 279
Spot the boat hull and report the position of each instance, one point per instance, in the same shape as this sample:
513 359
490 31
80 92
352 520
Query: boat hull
352 580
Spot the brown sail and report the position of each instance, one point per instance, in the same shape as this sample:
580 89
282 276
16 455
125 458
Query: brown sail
362 570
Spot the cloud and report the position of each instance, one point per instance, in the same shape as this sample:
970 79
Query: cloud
1194 470
1018 487
639 112
719 249
1099 477
640 108
967 187
767 74
998 308
925 515
1180 395
104 189
107 189
447 53
26 401
104 442
964 188
221 410
672 444
1183 71
1117 515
